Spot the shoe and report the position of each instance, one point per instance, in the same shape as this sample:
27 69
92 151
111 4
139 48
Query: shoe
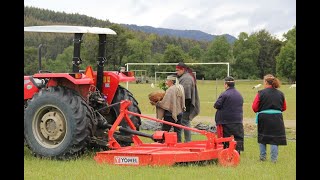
262 159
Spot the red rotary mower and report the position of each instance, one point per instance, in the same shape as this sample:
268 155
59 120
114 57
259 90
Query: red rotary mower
165 150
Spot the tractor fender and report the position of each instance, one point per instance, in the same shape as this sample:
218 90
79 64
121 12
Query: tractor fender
111 80
81 79
30 87
76 81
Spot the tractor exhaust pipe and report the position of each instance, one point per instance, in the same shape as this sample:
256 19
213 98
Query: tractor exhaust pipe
101 60
39 55
76 61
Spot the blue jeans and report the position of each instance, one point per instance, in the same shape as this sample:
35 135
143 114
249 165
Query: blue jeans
273 152
185 121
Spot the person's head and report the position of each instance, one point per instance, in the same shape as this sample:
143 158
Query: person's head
270 80
181 68
171 80
228 82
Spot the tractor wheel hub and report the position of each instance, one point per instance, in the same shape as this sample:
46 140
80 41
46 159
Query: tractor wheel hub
52 126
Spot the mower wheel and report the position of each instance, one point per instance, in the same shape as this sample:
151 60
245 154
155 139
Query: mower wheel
228 158
57 124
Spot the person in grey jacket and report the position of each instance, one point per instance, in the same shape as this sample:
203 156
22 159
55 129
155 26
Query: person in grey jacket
192 102
229 115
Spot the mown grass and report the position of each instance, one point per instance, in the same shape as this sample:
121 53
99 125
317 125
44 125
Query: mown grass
209 91
86 168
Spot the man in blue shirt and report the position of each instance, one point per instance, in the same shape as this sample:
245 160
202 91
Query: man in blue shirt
229 115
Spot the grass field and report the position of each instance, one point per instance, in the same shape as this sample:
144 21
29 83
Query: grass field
249 168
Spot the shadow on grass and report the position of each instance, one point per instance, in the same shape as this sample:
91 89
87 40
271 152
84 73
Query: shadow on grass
197 163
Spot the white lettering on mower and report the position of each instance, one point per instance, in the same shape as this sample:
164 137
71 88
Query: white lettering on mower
126 160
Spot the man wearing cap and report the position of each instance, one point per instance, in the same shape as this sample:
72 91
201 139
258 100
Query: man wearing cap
229 115
172 105
188 81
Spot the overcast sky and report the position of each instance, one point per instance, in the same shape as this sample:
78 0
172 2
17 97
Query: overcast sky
215 17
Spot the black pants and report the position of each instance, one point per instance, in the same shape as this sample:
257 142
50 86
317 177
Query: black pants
237 131
167 127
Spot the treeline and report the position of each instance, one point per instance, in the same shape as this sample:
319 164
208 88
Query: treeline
250 56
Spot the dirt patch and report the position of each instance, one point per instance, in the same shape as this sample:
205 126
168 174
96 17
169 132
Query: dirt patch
210 120
250 127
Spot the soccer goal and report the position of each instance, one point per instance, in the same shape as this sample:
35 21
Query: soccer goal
141 75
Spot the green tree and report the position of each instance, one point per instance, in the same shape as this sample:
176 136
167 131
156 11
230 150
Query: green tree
269 49
286 60
30 60
196 52
117 46
218 51
173 54
139 51
246 52
63 63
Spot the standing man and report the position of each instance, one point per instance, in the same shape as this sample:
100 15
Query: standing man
172 105
229 115
188 81
268 105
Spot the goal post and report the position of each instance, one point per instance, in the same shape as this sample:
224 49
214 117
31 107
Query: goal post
166 64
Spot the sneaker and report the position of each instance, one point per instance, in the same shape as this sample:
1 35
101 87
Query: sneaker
262 159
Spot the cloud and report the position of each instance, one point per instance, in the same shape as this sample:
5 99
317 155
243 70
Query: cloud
211 16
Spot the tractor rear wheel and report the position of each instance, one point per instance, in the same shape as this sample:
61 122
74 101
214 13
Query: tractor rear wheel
57 124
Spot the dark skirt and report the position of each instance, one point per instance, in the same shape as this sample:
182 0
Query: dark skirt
271 129
235 129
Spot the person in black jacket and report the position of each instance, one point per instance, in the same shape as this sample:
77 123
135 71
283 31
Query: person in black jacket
268 105
229 114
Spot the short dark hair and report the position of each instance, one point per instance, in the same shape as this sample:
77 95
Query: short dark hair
229 80
182 64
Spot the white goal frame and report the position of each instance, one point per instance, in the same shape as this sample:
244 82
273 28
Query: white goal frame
142 72
165 72
159 64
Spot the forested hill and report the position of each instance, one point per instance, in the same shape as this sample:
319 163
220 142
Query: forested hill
190 34
38 16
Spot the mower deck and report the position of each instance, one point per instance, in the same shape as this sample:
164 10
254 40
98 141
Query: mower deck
165 150
159 154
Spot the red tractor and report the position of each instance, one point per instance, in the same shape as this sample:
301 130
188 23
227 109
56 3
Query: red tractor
68 113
